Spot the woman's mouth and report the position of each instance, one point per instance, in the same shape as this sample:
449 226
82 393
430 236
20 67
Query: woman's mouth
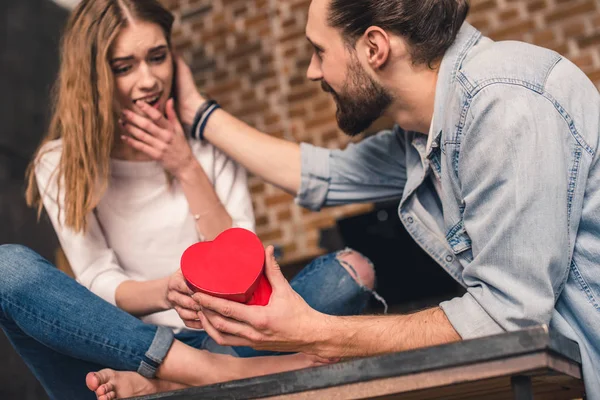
152 101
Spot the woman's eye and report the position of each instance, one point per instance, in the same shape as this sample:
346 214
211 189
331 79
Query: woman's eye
121 70
158 59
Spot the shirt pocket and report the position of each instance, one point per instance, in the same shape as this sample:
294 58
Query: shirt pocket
458 238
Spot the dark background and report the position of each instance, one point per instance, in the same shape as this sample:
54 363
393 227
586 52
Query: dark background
28 66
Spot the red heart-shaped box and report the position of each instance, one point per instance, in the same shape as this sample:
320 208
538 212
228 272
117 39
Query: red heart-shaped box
231 267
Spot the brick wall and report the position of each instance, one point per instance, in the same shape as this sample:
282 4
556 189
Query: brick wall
251 55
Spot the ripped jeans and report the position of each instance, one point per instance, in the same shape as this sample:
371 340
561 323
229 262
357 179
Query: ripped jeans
63 331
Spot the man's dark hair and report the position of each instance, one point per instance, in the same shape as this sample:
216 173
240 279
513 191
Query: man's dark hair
429 26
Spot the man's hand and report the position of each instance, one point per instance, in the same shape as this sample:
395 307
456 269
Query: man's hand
188 97
179 297
286 324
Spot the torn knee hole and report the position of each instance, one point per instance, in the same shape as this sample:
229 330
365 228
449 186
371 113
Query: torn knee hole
359 267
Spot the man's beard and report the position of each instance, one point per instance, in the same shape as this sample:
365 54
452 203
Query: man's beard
360 102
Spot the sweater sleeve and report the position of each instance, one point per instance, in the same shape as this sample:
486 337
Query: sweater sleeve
231 186
94 264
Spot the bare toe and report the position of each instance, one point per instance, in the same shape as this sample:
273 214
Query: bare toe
101 383
108 396
92 382
106 388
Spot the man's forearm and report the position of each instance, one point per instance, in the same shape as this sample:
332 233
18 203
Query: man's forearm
277 161
363 336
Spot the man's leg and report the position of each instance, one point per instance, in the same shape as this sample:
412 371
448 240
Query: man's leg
339 283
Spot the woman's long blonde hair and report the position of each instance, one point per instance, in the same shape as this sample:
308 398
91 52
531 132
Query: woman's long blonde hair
82 114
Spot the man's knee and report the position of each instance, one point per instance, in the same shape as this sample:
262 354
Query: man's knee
359 267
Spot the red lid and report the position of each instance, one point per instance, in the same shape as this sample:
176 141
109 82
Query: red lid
230 267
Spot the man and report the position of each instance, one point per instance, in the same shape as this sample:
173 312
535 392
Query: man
495 157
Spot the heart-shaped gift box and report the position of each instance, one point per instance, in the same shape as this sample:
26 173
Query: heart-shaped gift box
231 267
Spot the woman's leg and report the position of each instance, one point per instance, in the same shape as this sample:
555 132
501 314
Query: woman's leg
48 316
61 376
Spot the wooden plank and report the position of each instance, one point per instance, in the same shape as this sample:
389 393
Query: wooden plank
422 368
448 381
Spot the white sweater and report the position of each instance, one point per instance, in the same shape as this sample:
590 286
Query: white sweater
141 226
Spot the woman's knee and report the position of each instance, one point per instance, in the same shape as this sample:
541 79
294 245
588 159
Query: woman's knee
19 266
359 267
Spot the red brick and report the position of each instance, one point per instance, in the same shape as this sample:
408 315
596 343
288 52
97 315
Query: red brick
569 10
277 199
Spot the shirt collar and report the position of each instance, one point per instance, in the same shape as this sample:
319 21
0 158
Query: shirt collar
451 62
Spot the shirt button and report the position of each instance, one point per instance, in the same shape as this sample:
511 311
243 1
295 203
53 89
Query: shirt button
449 258
410 220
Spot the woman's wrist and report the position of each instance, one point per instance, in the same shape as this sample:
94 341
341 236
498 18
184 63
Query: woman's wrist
189 171
165 304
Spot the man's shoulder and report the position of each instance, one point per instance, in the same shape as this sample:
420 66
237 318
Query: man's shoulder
509 62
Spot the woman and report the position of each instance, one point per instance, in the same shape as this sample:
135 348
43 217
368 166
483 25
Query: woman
125 204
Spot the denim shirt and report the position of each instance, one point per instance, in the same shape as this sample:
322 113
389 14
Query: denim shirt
516 219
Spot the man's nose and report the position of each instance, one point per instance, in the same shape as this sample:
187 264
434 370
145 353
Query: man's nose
314 72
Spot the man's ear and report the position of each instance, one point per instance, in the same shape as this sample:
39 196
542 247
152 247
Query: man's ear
377 47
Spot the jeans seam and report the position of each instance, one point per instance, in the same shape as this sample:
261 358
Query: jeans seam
51 325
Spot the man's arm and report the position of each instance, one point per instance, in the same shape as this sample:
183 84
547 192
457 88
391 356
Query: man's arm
277 161
363 336
372 170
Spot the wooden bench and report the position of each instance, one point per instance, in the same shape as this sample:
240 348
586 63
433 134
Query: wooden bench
530 364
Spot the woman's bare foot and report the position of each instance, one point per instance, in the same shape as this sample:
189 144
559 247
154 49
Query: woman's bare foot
110 385
232 368
274 364
194 367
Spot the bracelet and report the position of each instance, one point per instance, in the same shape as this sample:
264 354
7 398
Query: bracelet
201 118
204 119
208 211
201 110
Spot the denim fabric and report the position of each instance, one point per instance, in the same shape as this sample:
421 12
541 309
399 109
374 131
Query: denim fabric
63 331
517 217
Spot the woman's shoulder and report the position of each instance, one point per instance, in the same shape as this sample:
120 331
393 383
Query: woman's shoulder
48 157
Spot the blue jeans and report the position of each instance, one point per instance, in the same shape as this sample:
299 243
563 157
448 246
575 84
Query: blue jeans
63 331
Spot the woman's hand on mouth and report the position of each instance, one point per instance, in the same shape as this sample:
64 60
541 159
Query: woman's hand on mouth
162 138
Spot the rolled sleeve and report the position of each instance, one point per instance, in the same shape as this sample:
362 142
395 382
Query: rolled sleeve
468 318
315 176
369 171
